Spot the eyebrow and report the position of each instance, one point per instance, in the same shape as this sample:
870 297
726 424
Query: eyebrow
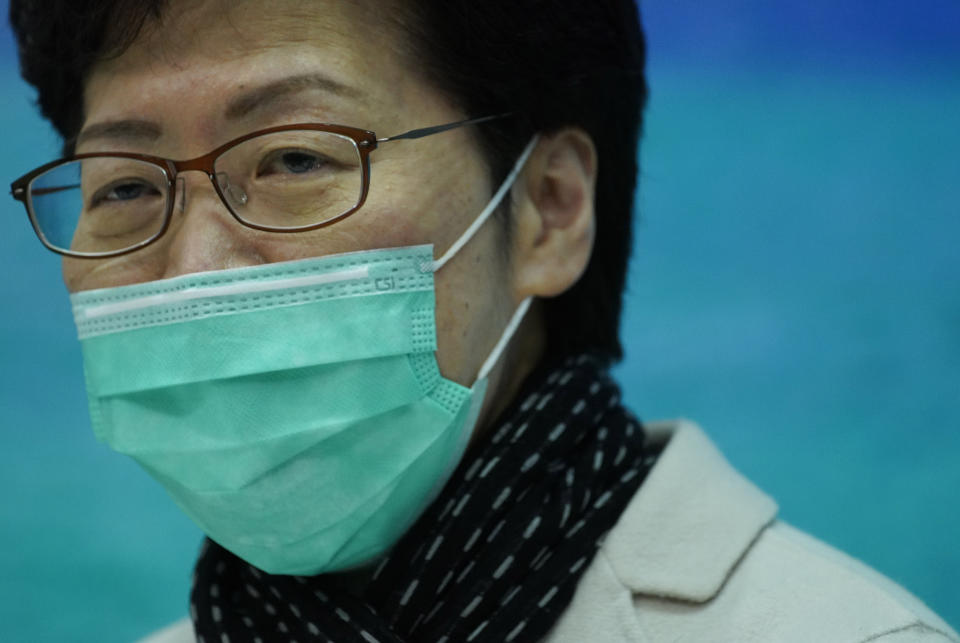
126 130
134 130
262 96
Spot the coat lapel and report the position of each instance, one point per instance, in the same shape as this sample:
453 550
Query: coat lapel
692 520
682 534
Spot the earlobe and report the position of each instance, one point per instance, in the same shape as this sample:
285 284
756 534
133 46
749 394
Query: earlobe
554 215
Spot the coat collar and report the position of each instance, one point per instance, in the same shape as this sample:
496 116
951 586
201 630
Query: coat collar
691 521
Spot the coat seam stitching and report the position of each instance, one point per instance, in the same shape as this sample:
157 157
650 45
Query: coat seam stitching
915 624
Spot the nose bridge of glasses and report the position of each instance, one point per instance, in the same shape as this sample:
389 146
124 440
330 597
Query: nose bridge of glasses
201 164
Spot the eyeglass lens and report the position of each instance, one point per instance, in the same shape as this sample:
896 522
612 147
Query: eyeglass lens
99 205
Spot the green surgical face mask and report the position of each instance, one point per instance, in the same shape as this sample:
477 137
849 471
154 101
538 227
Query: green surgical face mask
295 411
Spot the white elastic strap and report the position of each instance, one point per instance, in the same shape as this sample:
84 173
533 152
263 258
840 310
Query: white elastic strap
504 338
239 288
487 211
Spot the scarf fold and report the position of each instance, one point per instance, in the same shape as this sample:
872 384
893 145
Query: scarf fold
496 557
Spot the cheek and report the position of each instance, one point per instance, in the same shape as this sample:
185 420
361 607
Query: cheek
472 298
391 217
433 206
90 274
473 305
456 203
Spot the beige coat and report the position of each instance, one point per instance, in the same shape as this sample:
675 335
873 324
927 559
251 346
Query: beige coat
699 557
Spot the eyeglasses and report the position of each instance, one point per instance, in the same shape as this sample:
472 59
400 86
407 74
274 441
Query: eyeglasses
291 178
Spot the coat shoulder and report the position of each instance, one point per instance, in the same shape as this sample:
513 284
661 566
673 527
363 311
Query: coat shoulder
790 587
179 632
699 555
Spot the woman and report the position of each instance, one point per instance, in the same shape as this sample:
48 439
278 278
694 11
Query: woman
368 358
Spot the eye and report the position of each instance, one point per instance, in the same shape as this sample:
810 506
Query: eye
123 191
126 192
298 161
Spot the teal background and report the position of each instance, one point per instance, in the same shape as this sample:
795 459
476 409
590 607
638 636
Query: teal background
795 289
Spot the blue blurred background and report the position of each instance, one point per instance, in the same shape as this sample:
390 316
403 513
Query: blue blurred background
795 289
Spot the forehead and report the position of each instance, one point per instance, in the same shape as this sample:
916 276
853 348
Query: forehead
202 50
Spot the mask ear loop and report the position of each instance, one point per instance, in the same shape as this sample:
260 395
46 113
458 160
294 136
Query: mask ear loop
487 211
504 338
436 265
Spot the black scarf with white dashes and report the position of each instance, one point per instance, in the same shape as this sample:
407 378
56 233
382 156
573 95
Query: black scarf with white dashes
496 557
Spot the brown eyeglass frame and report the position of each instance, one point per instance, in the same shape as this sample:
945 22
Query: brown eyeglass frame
364 140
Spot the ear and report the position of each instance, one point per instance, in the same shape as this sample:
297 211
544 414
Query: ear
553 214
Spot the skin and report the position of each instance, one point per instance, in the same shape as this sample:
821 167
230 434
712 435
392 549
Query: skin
181 73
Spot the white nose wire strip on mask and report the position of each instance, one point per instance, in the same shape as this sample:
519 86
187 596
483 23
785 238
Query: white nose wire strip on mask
487 211
240 288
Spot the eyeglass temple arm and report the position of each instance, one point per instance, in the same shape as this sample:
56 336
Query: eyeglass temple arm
20 193
436 129
45 191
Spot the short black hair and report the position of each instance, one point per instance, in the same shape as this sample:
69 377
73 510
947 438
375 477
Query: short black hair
551 63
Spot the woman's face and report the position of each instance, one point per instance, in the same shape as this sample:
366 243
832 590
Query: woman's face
197 79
